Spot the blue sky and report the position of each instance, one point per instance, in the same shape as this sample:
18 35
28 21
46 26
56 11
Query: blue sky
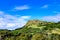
15 13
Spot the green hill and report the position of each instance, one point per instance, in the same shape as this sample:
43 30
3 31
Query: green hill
33 30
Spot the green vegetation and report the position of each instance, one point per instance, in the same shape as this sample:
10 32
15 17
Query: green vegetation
33 30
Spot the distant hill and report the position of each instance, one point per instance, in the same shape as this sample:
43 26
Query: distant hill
33 30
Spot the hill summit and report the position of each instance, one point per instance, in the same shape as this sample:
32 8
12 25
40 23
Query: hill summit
35 23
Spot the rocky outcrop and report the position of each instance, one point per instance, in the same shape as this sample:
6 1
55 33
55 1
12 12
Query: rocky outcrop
1 38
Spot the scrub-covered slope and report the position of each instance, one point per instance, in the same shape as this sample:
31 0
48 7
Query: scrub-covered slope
33 30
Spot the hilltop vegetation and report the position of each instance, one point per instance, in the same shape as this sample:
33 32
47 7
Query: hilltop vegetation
33 30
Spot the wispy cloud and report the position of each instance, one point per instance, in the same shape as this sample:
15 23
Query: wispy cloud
12 22
56 12
24 7
44 6
54 18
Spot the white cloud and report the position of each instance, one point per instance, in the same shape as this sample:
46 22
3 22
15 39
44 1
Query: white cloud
1 12
44 6
24 17
54 18
12 22
24 7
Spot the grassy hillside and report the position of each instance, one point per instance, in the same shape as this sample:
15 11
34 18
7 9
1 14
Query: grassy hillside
33 30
